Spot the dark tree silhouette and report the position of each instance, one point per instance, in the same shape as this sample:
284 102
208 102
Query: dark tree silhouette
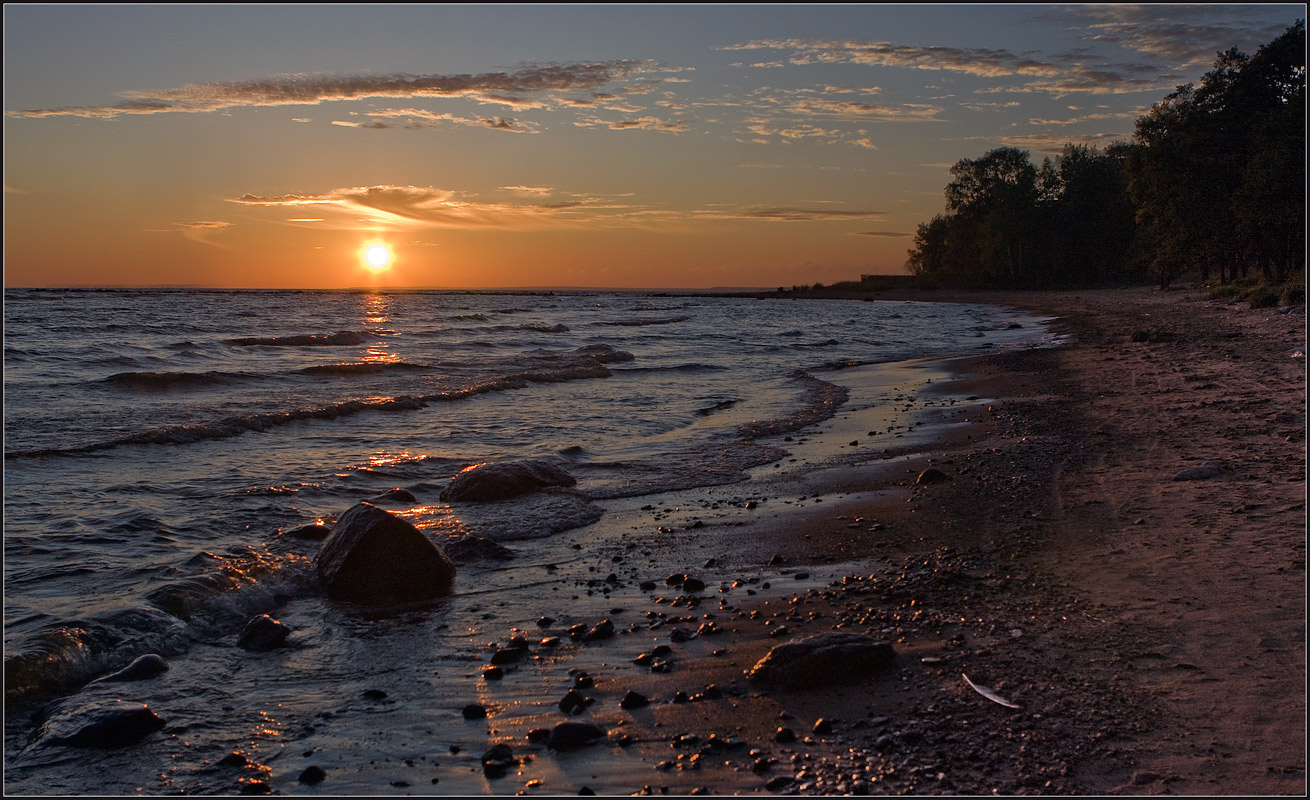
1214 180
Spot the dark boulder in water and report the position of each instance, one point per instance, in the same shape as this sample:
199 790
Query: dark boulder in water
102 723
821 660
398 495
374 557
484 483
263 633
146 666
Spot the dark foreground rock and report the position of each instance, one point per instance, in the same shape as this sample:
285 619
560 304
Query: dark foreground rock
484 483
263 633
376 558
144 667
102 723
821 660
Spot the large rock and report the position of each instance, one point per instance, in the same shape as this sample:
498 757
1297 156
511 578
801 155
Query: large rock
484 483
101 723
376 558
821 660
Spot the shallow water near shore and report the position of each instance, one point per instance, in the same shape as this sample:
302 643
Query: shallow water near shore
151 466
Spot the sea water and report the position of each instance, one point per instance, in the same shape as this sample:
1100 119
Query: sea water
159 442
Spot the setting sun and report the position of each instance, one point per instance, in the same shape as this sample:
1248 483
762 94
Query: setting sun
377 256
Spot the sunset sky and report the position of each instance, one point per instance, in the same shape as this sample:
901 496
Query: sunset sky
529 146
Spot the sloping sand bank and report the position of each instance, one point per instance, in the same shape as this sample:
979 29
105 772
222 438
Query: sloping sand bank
1150 629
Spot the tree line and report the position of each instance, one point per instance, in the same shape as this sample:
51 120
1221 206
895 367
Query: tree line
1213 180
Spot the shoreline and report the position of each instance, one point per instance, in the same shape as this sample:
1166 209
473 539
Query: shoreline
1151 631
1059 568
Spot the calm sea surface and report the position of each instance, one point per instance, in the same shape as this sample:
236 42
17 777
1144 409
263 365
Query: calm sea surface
157 442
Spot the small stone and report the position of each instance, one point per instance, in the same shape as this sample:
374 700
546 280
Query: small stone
573 702
312 775
497 761
233 759
823 726
572 735
373 694
263 633
492 674
784 736
633 700
508 655
931 475
602 630
475 711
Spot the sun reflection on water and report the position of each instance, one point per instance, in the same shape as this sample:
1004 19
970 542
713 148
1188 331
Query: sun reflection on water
376 313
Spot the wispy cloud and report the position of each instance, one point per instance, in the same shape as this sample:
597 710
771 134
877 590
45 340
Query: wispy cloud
1056 75
972 60
850 109
507 88
1132 114
418 118
1188 41
529 191
882 234
419 206
426 206
200 230
761 213
1053 144
646 123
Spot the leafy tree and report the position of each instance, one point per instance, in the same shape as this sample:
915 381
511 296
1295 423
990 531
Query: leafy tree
1219 177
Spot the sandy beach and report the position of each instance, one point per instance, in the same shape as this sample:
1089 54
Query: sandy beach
1149 629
